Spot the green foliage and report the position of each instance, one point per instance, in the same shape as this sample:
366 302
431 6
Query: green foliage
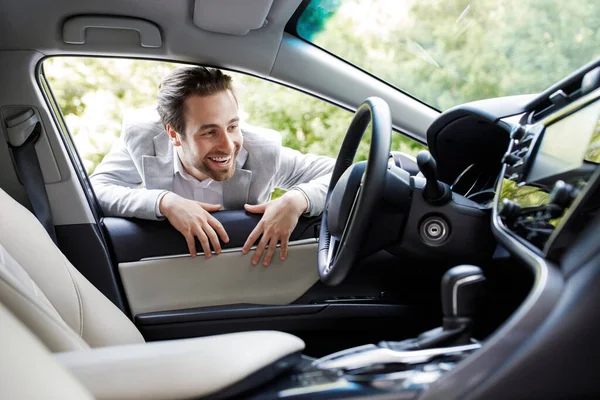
95 93
448 52
593 151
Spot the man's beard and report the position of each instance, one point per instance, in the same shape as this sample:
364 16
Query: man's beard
213 171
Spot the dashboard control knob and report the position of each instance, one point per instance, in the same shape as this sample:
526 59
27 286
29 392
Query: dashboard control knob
434 191
511 159
509 209
562 194
518 132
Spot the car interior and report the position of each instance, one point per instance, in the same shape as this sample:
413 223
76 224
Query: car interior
435 277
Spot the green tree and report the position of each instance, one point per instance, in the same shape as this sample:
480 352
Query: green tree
448 52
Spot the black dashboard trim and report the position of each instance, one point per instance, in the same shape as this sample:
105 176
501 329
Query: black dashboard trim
590 191
471 376
569 84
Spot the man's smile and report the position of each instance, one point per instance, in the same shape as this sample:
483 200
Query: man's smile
221 161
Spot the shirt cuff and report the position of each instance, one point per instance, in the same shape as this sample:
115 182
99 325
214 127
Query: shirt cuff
307 212
159 215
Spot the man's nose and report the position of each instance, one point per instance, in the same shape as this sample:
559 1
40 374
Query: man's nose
225 144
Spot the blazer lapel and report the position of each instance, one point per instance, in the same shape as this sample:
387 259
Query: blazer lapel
158 170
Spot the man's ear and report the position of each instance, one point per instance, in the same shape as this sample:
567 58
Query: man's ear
174 136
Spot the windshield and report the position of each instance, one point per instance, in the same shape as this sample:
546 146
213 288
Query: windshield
448 52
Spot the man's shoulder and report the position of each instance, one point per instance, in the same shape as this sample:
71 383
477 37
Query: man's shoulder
141 125
256 137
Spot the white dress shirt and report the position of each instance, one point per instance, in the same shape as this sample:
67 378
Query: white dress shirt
206 191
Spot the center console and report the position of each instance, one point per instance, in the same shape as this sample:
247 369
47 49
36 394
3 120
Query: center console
548 186
403 368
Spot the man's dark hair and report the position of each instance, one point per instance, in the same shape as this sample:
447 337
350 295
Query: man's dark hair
183 82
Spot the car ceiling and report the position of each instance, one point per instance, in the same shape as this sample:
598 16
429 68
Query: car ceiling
267 52
255 51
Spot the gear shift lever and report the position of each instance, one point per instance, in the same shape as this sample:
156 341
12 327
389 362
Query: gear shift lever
462 289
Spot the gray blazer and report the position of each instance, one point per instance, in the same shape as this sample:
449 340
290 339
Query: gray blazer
139 168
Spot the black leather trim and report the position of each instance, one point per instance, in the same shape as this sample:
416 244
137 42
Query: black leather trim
83 246
133 239
225 312
331 327
259 377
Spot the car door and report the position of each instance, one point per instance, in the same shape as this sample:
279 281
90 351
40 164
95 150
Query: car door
169 294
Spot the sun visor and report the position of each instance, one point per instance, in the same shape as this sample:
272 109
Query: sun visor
232 17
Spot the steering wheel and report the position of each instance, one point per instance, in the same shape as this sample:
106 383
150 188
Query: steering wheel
354 192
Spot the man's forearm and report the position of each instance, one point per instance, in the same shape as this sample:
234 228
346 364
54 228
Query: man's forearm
121 201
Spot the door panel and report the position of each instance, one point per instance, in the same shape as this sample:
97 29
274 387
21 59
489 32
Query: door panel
174 283
134 239
174 296
158 274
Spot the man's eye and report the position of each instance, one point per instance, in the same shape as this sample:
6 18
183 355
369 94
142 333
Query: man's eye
233 127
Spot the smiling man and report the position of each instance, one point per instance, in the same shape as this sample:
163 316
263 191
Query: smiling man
195 159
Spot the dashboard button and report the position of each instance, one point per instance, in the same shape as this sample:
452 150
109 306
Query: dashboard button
517 133
562 194
509 209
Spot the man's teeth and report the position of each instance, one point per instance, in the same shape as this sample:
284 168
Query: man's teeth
220 159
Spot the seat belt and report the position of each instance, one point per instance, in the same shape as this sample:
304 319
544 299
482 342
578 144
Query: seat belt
24 131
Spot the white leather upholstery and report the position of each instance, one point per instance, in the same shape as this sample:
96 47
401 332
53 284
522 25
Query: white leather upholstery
42 289
28 370
229 278
21 295
177 368
84 309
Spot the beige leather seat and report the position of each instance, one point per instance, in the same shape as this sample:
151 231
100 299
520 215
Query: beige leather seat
98 344
28 370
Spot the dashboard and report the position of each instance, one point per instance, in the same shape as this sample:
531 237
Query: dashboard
548 167
529 159
543 152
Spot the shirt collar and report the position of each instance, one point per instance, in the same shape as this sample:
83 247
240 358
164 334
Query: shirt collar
178 166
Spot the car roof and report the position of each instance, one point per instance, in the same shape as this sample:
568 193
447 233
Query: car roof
266 51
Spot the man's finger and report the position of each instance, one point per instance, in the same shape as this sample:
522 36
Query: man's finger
191 242
253 237
218 227
212 236
256 209
260 248
284 249
210 207
270 251
204 242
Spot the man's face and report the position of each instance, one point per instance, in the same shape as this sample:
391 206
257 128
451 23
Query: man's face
212 138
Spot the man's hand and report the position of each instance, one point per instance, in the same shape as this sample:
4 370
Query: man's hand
279 220
193 219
